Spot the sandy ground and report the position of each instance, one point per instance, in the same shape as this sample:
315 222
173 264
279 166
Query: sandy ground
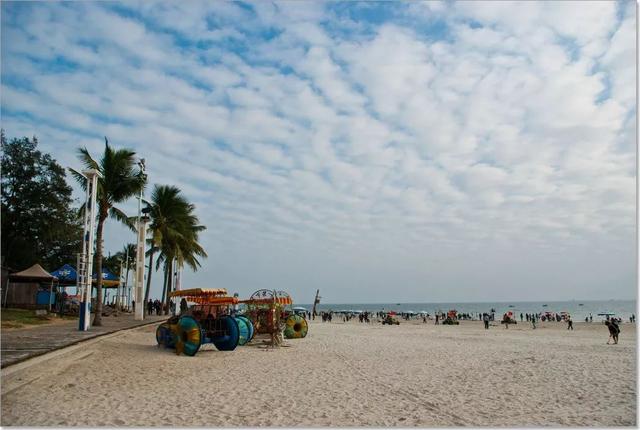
340 375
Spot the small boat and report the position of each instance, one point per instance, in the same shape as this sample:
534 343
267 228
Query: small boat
511 306
606 314
398 304
544 306
580 304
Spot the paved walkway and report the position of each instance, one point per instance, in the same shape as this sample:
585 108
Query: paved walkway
20 344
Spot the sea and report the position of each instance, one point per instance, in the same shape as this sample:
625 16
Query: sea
578 310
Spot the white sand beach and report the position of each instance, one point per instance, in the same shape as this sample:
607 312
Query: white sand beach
342 374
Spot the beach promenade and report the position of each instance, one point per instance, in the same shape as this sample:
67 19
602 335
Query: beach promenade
342 374
24 343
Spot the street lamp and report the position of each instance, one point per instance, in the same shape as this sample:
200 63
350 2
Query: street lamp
85 259
142 230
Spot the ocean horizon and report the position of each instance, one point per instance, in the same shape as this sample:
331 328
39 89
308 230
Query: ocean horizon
578 309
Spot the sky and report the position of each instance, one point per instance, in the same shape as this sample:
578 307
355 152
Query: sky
377 151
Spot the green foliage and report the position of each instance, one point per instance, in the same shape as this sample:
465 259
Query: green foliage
112 262
39 224
174 226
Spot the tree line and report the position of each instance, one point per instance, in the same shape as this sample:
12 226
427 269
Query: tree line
40 224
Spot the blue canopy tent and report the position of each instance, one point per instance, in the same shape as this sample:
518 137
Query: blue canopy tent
66 275
109 280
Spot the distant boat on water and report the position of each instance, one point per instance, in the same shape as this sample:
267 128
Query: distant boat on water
580 304
544 306
511 306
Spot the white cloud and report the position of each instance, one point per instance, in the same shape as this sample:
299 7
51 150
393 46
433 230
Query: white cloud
365 152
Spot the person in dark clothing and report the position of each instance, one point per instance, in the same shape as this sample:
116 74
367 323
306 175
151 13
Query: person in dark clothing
183 306
437 319
614 330
569 323
485 318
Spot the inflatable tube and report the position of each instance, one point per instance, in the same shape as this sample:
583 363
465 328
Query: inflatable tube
160 334
229 341
189 336
250 325
296 327
243 330
163 335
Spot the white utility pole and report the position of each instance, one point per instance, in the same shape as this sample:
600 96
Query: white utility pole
85 260
142 230
139 281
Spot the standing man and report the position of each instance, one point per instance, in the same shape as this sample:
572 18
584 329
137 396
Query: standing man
569 323
485 318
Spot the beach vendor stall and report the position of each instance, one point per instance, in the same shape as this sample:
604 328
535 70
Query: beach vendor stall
31 288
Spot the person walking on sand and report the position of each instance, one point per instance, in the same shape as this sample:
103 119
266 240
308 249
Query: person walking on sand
569 323
533 321
485 318
614 330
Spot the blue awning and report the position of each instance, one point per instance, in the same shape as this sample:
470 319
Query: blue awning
66 273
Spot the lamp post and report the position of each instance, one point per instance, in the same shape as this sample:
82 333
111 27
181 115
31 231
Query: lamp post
142 229
85 260
139 283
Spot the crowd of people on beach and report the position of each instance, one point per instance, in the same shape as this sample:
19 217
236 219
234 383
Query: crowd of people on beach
612 323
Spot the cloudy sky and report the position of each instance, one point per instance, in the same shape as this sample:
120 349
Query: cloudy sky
378 151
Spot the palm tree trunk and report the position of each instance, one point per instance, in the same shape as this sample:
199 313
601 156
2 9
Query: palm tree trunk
97 320
169 285
146 293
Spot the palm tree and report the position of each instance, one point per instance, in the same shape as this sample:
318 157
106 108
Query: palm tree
184 250
172 223
175 232
120 180
165 210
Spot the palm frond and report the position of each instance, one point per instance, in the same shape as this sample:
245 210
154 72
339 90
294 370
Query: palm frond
79 177
118 215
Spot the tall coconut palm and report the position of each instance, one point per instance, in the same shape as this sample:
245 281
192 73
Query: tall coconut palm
172 223
185 250
120 180
182 248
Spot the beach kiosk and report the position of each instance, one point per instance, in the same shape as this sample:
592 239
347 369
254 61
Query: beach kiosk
31 288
